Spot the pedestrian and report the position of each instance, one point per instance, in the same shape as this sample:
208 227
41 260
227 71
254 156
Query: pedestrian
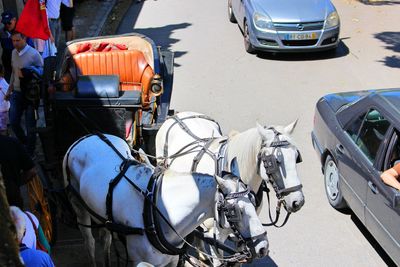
4 104
30 256
23 56
34 236
17 168
67 14
9 20
53 14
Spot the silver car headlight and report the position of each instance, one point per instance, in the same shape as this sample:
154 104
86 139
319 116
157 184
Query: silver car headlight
332 20
262 22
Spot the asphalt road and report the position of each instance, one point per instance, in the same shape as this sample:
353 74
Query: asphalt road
214 75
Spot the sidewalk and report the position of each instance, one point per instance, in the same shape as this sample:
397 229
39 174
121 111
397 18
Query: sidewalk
69 250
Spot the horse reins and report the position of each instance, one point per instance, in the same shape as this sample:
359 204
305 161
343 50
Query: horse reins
272 167
154 236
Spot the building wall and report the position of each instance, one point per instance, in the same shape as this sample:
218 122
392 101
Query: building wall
15 6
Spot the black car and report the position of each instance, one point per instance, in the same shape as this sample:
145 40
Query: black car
357 136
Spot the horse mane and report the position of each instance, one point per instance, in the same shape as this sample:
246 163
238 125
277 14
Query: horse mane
245 147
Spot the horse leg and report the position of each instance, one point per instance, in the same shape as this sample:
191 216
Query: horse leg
83 218
106 240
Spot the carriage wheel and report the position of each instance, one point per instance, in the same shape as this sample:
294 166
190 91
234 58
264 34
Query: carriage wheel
40 207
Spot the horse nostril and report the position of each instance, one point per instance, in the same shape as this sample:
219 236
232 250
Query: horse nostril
295 205
263 252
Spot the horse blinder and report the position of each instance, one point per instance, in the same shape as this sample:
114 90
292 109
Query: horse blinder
232 213
270 164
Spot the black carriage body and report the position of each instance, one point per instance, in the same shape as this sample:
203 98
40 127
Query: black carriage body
71 114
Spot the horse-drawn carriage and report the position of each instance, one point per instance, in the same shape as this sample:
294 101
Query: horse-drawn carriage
122 86
119 85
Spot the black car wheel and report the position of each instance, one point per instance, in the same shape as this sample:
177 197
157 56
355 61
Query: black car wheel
231 16
247 44
332 189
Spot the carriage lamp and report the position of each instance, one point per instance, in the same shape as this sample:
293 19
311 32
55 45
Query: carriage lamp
156 84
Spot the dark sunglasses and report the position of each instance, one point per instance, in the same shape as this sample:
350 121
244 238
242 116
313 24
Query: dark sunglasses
7 23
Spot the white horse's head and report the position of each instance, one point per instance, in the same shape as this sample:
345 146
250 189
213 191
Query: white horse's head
236 211
276 163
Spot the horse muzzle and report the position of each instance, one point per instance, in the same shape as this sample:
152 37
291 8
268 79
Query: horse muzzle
262 249
294 201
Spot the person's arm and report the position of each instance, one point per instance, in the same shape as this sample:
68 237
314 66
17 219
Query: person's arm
391 176
38 60
11 86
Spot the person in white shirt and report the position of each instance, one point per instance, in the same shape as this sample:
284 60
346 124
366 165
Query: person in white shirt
53 15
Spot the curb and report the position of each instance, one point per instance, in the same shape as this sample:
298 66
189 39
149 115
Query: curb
104 18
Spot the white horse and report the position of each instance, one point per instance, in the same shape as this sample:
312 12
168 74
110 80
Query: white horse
263 153
184 199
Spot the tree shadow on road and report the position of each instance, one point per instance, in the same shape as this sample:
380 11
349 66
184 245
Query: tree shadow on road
380 2
392 42
162 36
341 51
385 257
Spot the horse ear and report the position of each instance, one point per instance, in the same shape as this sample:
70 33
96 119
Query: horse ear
290 128
235 167
265 134
221 182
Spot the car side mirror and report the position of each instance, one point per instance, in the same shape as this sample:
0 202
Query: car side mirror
396 200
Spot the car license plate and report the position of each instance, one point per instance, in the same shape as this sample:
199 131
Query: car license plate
301 36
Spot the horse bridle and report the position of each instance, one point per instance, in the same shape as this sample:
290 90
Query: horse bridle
274 168
233 215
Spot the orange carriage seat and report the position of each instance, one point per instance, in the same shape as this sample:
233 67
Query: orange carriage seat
130 65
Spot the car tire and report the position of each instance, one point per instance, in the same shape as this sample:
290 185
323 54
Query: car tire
231 16
332 188
247 44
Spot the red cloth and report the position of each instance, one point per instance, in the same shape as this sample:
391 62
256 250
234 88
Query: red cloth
33 20
101 47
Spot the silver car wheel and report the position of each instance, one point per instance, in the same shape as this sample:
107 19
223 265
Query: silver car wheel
332 180
332 188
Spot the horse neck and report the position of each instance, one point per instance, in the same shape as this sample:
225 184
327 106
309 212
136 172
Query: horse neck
245 147
186 200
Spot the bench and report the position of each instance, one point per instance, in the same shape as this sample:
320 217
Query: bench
133 70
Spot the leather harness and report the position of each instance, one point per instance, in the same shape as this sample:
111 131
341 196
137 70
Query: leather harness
152 227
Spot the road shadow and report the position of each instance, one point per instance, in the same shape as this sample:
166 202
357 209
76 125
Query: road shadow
392 42
341 51
162 36
380 2
385 257
127 24
265 262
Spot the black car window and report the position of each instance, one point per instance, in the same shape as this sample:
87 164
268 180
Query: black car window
393 152
354 127
371 134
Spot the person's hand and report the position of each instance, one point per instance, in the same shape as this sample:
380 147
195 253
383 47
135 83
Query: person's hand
20 75
7 96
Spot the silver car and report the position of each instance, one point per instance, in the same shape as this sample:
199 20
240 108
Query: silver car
286 25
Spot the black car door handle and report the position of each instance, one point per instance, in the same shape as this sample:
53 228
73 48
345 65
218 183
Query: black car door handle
373 187
339 149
